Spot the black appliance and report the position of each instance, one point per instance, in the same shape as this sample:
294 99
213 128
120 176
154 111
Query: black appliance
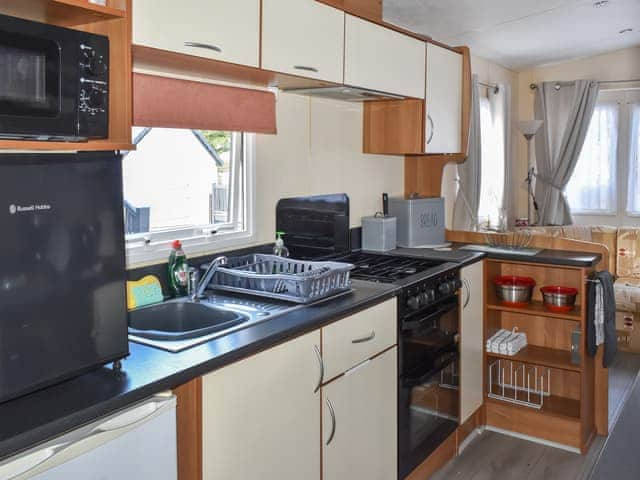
314 226
428 355
62 268
54 82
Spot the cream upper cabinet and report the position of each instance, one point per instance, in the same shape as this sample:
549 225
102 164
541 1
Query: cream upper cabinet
382 59
261 416
471 340
360 422
304 38
226 30
444 100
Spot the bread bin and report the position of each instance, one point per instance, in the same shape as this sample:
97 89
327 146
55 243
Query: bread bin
421 221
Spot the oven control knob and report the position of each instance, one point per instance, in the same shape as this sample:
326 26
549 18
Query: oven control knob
414 303
431 295
445 288
424 298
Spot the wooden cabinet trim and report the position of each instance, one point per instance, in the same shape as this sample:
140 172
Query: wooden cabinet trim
189 429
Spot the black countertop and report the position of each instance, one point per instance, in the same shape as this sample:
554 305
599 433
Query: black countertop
37 417
465 256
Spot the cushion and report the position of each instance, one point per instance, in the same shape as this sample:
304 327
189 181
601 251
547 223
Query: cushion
628 253
607 236
627 294
577 232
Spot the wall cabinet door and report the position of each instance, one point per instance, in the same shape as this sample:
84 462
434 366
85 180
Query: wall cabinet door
382 59
360 422
226 30
304 38
471 340
261 416
444 100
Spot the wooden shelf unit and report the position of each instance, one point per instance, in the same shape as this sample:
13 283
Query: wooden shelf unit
567 416
543 356
114 21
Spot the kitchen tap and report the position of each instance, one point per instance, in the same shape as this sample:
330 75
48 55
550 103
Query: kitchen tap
208 275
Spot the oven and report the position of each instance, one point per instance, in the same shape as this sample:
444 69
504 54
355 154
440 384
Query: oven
428 377
54 82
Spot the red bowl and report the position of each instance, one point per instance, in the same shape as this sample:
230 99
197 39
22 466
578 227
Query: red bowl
559 299
512 280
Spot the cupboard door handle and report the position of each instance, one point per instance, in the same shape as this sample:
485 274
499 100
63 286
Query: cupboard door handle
321 363
467 289
332 412
305 68
433 129
205 46
368 338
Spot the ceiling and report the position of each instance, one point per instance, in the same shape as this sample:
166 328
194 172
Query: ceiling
519 34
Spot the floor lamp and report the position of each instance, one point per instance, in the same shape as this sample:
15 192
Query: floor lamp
529 128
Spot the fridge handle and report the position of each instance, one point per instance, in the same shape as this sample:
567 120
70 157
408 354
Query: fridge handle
22 467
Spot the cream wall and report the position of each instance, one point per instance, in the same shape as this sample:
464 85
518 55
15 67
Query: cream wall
619 65
318 150
491 73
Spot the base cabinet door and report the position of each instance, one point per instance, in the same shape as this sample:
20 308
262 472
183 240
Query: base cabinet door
261 416
471 340
360 422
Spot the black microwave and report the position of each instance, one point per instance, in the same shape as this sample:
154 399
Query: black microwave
54 82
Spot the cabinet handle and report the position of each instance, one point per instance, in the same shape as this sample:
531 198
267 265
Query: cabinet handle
205 46
368 338
467 289
332 412
306 69
321 363
433 129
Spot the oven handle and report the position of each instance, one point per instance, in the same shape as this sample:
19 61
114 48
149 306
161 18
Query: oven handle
414 381
446 308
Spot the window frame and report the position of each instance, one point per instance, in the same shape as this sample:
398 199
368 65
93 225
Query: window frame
155 247
619 217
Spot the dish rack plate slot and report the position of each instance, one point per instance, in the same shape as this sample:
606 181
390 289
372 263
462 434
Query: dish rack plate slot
519 383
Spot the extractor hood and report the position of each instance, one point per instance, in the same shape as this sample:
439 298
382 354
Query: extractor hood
345 93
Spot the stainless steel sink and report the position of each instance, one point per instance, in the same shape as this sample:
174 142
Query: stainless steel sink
181 321
180 324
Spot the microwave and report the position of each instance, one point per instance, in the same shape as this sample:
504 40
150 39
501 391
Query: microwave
54 82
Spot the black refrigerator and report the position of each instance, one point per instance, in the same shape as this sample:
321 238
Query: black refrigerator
62 268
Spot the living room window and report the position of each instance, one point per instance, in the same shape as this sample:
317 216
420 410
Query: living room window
592 188
604 186
191 185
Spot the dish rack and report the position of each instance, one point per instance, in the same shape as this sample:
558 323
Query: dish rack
281 278
519 383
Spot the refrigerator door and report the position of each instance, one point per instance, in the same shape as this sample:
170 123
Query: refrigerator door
62 267
138 443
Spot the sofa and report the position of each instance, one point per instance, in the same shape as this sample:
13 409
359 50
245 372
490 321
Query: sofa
624 263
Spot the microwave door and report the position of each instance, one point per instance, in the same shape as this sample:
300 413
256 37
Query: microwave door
38 80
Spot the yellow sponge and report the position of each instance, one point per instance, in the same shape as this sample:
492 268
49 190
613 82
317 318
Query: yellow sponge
145 291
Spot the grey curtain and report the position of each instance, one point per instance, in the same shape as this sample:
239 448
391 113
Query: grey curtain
465 213
566 113
500 101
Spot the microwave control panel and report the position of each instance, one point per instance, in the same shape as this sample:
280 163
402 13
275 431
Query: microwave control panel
93 104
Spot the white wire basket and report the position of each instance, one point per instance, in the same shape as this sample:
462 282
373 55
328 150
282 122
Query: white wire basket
519 383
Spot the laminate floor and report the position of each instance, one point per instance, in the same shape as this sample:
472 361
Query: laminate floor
493 456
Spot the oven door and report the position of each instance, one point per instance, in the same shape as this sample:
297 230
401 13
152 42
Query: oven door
428 385
38 80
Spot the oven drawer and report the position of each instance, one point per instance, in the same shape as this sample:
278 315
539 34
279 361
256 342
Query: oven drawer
354 339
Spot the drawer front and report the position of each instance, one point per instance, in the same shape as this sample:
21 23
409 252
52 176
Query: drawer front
354 339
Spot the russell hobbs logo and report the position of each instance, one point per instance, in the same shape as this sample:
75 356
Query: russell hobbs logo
14 209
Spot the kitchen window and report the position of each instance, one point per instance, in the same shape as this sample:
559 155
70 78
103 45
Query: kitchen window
604 186
191 185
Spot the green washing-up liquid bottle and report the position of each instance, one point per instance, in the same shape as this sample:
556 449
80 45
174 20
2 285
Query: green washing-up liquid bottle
178 270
